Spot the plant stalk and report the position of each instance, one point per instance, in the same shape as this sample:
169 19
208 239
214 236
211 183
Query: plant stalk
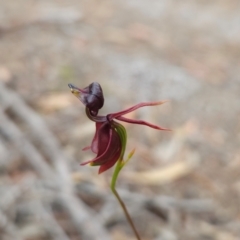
118 168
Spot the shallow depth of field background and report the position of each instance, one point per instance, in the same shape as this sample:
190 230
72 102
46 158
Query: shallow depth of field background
180 185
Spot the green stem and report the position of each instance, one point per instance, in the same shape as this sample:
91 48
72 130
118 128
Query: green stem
120 164
113 184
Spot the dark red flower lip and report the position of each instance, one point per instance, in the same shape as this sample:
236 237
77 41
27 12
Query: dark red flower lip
91 96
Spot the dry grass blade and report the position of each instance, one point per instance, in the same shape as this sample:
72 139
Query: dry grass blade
162 175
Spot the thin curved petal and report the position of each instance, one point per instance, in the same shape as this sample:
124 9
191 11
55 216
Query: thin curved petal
141 122
131 109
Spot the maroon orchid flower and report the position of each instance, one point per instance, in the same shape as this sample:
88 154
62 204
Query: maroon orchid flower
110 138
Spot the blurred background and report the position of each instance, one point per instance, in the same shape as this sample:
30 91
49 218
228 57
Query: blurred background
180 185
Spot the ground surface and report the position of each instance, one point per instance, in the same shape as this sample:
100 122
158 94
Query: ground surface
184 51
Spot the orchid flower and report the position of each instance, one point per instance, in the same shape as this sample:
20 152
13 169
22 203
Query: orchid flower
110 137
109 141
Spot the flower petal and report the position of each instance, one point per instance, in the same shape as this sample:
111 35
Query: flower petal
94 145
103 138
104 167
114 144
118 114
141 122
